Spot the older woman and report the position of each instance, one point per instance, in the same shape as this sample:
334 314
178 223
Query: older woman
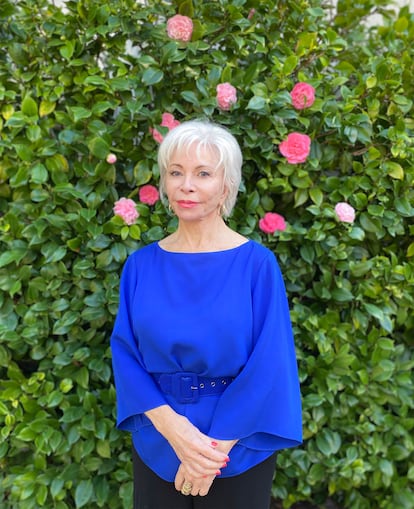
203 355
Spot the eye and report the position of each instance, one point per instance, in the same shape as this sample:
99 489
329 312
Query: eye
204 173
174 173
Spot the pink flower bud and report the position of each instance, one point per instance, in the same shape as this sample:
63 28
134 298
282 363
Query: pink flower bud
111 158
303 95
180 28
252 12
169 121
149 194
345 212
272 222
226 96
126 209
296 148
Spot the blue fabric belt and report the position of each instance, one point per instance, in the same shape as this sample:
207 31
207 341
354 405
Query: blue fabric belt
189 387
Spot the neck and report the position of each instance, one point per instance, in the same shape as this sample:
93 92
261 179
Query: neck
197 236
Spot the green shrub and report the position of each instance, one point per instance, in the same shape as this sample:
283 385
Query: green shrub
72 92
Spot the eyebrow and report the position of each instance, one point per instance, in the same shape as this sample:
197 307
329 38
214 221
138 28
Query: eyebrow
204 165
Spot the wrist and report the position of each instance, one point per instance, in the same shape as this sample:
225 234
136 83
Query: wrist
161 417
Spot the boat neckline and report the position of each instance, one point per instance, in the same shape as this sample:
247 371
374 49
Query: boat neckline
248 241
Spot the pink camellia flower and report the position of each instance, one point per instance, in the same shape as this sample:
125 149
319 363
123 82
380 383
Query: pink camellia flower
125 208
180 28
296 148
149 194
111 158
303 95
272 222
226 96
167 120
345 212
252 12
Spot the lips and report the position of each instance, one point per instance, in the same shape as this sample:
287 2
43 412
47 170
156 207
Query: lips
187 204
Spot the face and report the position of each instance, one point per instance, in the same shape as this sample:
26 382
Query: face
194 185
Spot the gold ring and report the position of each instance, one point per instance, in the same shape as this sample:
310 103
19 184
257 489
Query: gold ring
186 489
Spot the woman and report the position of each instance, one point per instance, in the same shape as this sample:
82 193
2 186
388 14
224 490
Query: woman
203 355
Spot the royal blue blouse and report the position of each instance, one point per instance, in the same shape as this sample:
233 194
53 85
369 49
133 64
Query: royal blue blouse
216 314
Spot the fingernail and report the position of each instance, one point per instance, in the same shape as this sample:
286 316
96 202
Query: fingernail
227 459
214 444
224 466
218 472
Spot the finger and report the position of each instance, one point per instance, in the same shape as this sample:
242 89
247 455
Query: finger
205 455
205 486
188 489
179 478
194 470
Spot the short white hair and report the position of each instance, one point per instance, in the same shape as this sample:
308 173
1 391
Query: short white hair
205 135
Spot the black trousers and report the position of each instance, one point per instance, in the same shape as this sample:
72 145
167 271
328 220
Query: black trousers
250 490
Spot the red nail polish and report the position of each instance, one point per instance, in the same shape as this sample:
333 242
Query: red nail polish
218 472
214 444
227 459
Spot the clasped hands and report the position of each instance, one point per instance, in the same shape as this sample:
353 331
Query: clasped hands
201 462
201 456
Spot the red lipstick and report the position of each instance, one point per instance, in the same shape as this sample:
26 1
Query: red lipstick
187 204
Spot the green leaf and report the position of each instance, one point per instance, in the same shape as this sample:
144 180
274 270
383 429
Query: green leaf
103 448
154 234
24 151
394 170
370 224
46 107
379 314
306 42
301 197
120 83
307 253
99 147
290 64
253 202
316 195
29 106
15 255
186 8
152 76
63 325
142 173
41 495
257 104
404 207
53 253
56 488
328 442
79 113
83 493
190 97
39 174
342 294
101 490
356 233
82 377
97 81
135 232
67 50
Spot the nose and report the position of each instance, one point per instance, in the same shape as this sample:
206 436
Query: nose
188 183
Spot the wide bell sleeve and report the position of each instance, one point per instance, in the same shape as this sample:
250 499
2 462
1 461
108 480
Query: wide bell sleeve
262 406
136 391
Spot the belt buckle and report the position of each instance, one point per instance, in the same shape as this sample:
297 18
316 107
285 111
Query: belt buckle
185 387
